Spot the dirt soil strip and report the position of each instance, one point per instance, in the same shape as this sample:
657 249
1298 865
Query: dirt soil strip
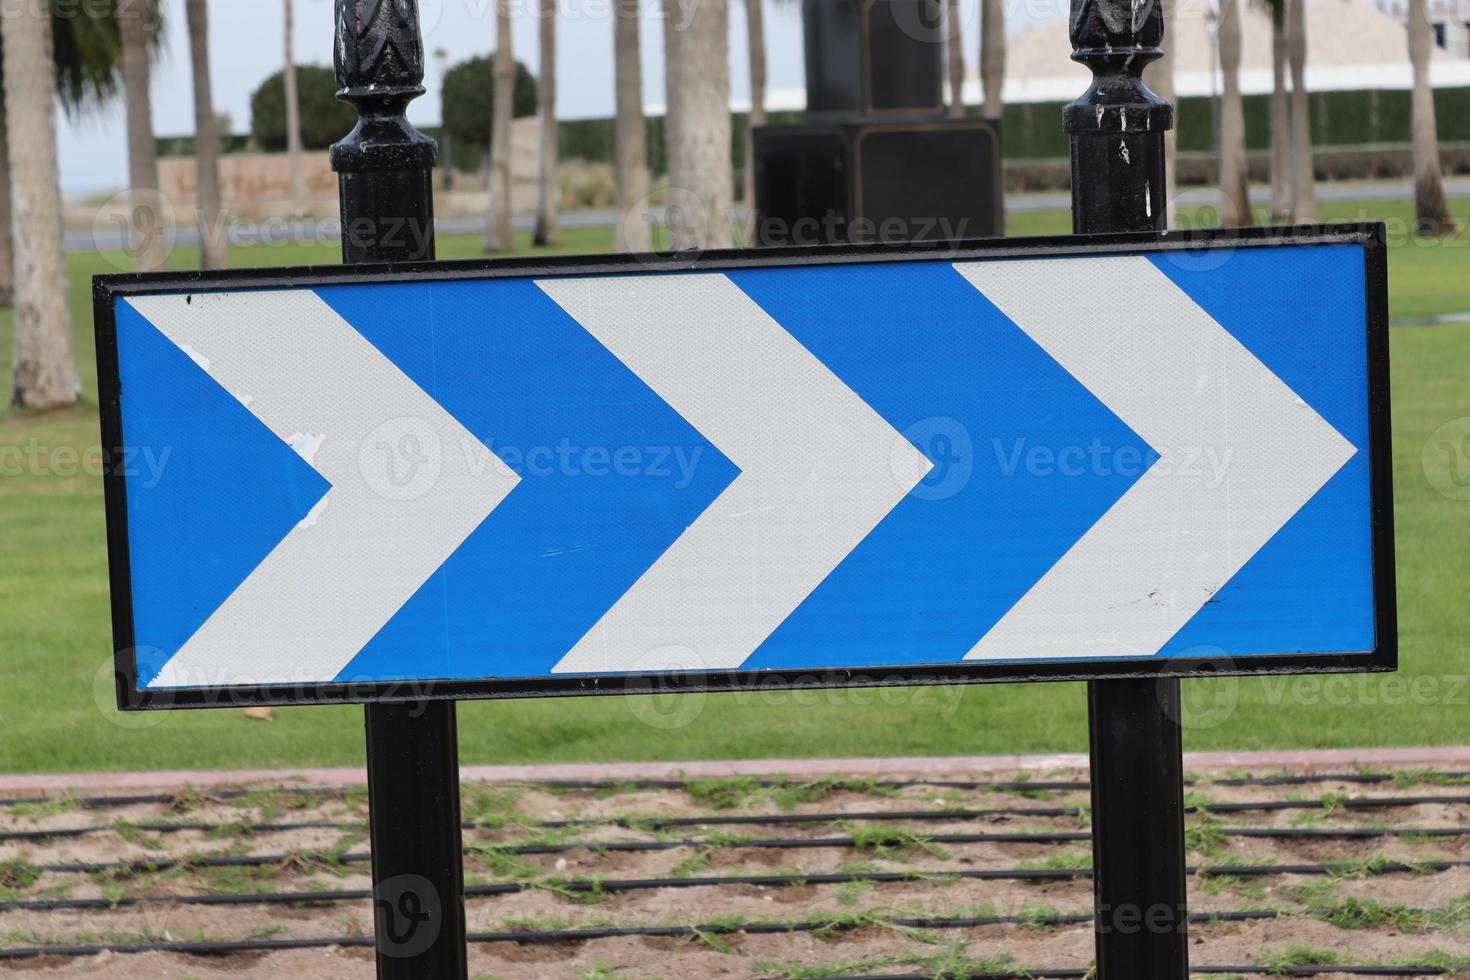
1363 916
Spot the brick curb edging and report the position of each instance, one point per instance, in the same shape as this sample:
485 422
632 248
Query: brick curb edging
934 767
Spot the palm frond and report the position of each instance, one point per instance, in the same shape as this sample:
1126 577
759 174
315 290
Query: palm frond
88 46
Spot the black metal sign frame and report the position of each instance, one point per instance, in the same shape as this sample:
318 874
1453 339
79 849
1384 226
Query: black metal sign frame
1383 657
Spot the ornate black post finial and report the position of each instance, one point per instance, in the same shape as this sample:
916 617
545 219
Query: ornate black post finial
380 52
380 68
384 165
1118 125
1116 40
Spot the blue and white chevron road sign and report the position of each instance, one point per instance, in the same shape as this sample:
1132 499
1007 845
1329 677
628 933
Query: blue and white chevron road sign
1066 458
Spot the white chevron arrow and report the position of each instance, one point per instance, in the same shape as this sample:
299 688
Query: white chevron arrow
819 470
377 536
1188 388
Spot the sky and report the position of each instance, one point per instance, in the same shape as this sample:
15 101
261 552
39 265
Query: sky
246 45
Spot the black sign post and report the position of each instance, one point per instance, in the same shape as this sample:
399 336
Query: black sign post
385 172
1117 132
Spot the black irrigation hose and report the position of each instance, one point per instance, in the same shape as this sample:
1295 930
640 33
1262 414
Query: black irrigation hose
835 783
1223 971
1366 778
781 843
736 820
701 932
501 888
1019 786
150 865
590 785
625 822
715 820
220 947
1059 837
1012 786
509 888
244 827
1336 833
1347 802
659 823
597 885
1318 971
772 843
144 799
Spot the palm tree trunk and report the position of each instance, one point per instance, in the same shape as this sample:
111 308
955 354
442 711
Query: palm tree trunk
293 113
499 236
954 39
45 373
1159 76
993 56
756 29
7 239
1280 116
1430 208
548 211
1303 173
697 128
1235 193
213 249
629 133
150 248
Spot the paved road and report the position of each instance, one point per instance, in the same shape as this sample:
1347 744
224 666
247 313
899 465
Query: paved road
1261 195
325 231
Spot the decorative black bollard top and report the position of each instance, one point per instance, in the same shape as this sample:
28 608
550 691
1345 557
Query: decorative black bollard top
380 67
1117 127
1116 40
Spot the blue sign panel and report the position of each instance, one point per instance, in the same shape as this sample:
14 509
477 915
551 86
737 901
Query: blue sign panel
1070 458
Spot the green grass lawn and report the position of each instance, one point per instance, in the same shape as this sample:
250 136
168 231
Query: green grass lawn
55 636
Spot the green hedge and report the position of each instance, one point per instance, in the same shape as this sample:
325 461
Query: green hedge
1033 131
1356 118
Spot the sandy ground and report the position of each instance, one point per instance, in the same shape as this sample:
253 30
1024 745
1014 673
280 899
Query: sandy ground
1358 917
